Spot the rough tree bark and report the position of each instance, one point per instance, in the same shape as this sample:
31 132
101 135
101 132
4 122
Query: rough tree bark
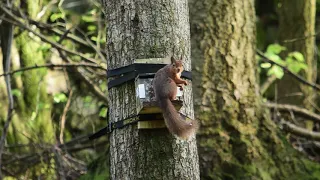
237 140
147 29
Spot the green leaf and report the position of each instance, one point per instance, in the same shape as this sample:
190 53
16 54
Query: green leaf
56 16
294 67
16 92
277 71
60 97
88 18
265 65
94 38
103 112
304 66
92 28
56 38
297 55
289 60
275 58
44 47
275 48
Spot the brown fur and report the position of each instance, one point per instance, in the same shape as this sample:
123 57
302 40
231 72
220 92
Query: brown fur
165 85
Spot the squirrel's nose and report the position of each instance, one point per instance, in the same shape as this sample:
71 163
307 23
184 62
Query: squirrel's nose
178 70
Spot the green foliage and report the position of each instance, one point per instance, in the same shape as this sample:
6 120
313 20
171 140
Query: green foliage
294 61
55 16
16 92
60 97
35 121
103 112
44 48
275 48
88 18
276 70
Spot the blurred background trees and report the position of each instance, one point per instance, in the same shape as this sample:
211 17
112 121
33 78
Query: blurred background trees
57 106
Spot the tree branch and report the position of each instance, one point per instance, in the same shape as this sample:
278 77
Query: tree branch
299 78
42 37
300 38
265 86
63 117
302 132
74 145
94 88
55 66
72 37
6 42
297 110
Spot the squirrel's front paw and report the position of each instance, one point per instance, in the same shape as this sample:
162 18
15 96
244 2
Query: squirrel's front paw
185 83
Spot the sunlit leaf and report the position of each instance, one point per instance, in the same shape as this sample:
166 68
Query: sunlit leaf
265 65
297 55
294 67
60 97
44 47
88 18
103 112
92 28
56 38
304 66
56 16
277 71
275 48
289 60
94 38
275 58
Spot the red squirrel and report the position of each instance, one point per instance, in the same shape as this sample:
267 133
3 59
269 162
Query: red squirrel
165 84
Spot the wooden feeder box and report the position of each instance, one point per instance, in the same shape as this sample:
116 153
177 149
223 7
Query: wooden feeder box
147 108
142 72
148 115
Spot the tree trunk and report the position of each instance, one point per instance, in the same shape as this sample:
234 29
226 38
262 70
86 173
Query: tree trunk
296 32
297 21
237 140
147 29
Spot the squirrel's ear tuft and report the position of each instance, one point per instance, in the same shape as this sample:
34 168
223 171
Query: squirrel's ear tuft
173 60
181 57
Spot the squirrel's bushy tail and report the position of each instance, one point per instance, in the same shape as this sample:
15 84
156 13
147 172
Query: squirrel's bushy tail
175 122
